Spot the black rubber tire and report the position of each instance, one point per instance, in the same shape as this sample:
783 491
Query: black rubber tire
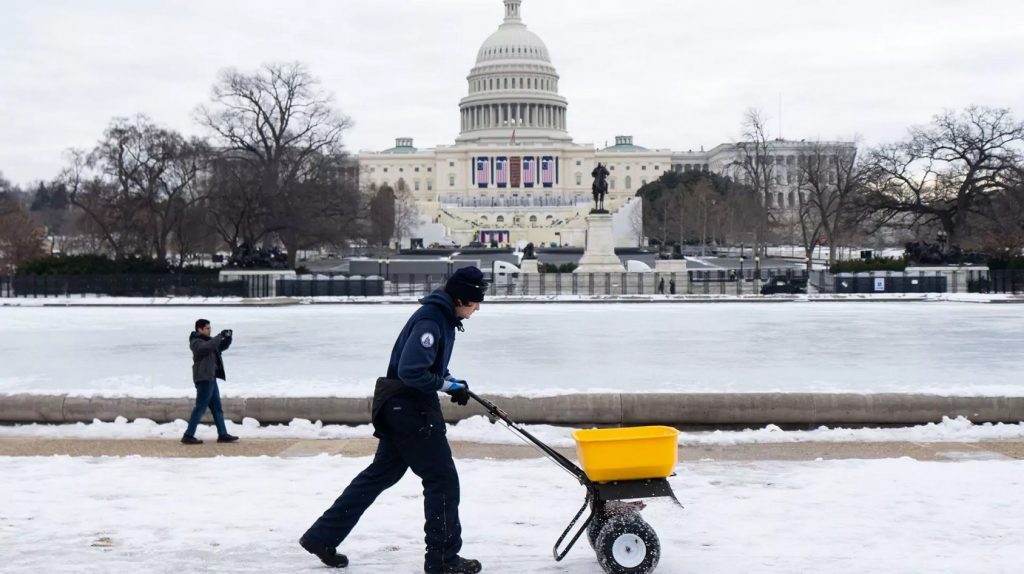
594 529
627 545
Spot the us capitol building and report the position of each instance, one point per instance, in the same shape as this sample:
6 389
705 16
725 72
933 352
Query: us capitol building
514 173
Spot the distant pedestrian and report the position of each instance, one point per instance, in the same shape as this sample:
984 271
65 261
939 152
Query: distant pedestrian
661 286
207 369
672 286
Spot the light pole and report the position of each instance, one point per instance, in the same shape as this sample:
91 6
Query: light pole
380 267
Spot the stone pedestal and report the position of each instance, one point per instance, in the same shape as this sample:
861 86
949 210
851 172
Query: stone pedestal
599 253
528 266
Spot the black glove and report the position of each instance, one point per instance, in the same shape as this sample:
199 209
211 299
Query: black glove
460 396
227 333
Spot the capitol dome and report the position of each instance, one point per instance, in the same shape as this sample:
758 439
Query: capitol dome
513 87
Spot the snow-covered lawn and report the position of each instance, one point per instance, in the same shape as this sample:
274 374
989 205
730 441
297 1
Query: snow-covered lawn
310 350
480 430
144 515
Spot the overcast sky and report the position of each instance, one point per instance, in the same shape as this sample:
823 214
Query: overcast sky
675 74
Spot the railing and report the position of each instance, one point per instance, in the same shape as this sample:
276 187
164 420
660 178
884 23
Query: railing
128 285
693 282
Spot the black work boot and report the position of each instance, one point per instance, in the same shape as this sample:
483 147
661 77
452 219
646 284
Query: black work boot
189 439
227 438
460 565
326 554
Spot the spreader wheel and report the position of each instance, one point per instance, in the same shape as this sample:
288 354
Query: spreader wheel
594 529
627 545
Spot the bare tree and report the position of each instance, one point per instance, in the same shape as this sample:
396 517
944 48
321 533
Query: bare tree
322 207
757 164
273 127
829 181
381 214
21 239
941 174
135 185
407 215
1000 230
105 213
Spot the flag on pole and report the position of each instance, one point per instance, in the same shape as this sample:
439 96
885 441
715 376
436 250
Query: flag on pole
513 136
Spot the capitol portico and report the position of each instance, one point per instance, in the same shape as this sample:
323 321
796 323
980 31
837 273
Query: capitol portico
514 173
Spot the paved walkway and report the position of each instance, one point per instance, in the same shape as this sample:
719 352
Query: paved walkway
992 450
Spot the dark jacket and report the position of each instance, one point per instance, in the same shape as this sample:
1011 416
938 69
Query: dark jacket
207 364
419 358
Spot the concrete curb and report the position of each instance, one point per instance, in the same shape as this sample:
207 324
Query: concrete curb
678 409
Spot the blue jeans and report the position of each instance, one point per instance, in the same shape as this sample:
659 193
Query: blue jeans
412 441
207 396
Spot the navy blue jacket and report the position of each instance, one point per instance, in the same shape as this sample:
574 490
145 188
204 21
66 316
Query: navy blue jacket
423 348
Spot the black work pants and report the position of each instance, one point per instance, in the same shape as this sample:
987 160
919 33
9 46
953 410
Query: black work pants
414 438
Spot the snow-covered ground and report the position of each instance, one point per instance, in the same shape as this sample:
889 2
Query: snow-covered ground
479 429
948 348
100 515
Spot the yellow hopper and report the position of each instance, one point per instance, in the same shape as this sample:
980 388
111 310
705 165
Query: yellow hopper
632 453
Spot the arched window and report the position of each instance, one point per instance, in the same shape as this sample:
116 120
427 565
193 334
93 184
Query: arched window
483 218
611 183
629 182
533 219
549 218
500 219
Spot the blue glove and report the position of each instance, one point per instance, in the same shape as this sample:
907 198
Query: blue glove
459 391
452 384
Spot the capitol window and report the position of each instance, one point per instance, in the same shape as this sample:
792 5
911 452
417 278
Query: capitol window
643 168
417 170
451 164
416 185
500 219
533 219
430 169
385 170
579 179
451 181
629 182
430 185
